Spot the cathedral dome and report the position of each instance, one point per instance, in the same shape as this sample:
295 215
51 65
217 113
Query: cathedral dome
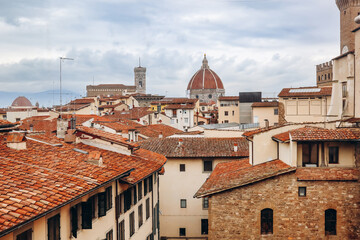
21 102
205 78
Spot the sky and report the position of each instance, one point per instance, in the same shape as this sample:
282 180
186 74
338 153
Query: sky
253 45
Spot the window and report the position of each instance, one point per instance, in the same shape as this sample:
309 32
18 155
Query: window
54 227
140 215
233 113
150 180
109 235
226 121
208 165
132 223
86 215
302 192
197 96
174 113
134 193
205 203
183 203
267 221
140 191
127 200
204 226
182 167
122 230
74 220
186 120
226 113
276 111
147 208
93 206
108 197
182 231
310 154
210 96
101 204
150 237
17 119
330 222
333 154
145 186
344 89
27 235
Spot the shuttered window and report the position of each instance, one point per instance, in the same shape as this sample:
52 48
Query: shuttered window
86 215
54 227
101 204
74 220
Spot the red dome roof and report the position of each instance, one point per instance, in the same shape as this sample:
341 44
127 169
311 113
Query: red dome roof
205 78
21 102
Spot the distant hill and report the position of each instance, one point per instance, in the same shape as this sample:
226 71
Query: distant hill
45 99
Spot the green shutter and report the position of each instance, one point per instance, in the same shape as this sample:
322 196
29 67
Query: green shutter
74 221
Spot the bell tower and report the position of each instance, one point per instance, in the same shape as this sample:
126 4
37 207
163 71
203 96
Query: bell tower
140 79
349 9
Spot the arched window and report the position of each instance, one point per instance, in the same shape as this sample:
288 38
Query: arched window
210 96
197 96
267 221
330 222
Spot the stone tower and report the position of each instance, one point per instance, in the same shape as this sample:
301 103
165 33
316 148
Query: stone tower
140 79
349 9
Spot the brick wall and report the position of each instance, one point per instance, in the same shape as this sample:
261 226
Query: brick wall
235 214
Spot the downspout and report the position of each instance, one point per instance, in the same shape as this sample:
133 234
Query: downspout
278 154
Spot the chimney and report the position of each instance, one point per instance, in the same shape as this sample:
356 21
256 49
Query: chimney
95 158
266 123
160 135
235 147
16 141
62 126
180 142
70 136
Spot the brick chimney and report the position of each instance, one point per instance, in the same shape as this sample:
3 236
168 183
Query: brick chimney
70 136
95 158
16 141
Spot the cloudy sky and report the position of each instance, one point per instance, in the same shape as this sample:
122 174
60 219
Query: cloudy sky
253 45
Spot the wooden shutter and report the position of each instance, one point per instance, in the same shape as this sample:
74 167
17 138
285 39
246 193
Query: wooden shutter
101 204
86 215
74 221
117 206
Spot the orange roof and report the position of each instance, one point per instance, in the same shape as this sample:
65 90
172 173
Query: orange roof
229 98
327 174
265 104
197 147
15 137
82 101
305 92
42 177
112 137
235 174
132 114
155 130
116 126
319 134
180 106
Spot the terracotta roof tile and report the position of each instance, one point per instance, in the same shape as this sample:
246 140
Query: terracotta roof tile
43 176
265 104
327 174
305 92
314 133
197 147
235 174
112 137
229 98
180 106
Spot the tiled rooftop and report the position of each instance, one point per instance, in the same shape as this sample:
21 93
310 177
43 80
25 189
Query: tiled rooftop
229 98
306 92
180 106
197 147
112 137
265 104
42 177
235 174
319 134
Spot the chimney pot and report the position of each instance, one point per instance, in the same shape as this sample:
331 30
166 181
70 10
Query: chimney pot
236 147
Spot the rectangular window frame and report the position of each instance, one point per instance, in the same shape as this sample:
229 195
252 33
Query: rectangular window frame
183 203
205 203
204 226
333 155
302 191
182 167
208 165
140 215
132 223
53 226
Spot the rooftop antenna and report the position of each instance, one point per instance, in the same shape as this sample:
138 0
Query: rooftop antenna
139 62
93 80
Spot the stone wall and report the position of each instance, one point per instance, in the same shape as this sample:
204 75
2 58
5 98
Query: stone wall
235 214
